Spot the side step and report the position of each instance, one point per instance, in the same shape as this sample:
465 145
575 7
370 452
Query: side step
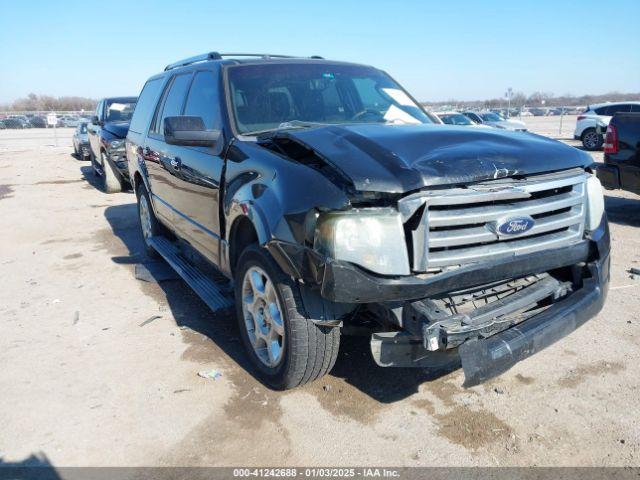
208 290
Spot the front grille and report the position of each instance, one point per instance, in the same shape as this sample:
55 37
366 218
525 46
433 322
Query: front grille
458 226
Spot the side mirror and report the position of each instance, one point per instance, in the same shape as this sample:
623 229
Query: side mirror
189 131
94 120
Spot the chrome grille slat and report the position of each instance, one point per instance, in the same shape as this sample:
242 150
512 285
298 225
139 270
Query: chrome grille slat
458 225
467 216
465 236
502 249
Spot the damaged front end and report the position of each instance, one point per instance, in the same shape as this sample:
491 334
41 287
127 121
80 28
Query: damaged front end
453 284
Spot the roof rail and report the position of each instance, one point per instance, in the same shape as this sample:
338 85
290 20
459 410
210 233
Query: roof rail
218 56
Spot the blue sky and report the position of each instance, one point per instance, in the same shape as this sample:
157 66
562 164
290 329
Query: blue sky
438 50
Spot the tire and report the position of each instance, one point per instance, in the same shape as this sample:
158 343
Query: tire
153 227
110 181
75 151
308 351
591 140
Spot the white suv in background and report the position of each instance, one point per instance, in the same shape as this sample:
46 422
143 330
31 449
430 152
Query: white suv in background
598 115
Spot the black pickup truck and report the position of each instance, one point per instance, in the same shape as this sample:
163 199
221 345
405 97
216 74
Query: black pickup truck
107 131
328 198
621 167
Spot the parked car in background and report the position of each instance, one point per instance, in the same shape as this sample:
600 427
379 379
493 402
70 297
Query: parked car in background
17 122
107 131
456 118
80 141
68 121
591 125
2 125
621 167
324 191
494 120
538 112
38 122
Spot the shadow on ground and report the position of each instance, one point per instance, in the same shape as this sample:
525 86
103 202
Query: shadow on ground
355 364
35 466
93 180
623 211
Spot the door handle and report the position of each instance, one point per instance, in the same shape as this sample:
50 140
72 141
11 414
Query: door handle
176 163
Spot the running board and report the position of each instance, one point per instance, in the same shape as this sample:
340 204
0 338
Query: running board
208 290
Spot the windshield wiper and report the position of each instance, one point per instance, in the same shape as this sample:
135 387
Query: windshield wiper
290 125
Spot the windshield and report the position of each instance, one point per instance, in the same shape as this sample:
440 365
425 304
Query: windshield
266 96
455 119
491 117
119 111
82 128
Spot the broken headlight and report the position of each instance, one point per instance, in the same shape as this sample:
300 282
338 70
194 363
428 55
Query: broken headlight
371 238
595 203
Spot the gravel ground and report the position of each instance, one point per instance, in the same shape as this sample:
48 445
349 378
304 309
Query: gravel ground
100 369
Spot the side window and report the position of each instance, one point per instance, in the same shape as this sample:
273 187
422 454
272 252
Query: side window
144 107
204 100
173 100
635 108
621 109
601 110
99 110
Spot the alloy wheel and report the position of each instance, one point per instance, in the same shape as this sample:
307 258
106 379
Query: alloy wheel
263 316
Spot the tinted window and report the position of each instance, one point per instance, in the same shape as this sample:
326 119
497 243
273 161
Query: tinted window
265 96
613 109
144 108
174 100
635 108
119 110
203 100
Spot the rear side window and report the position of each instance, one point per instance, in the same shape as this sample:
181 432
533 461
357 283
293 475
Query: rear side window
635 108
173 100
144 108
613 109
203 100
601 110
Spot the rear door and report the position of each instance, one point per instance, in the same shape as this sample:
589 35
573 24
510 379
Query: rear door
139 125
197 181
160 157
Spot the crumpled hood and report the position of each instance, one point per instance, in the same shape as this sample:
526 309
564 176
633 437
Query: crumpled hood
398 159
118 129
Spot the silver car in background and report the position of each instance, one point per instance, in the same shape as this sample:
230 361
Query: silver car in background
494 120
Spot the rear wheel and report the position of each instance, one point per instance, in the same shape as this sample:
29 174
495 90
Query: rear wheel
149 225
285 346
592 140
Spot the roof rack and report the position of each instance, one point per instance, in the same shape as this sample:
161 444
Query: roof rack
218 56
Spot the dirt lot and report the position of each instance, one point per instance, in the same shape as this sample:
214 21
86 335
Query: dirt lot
99 368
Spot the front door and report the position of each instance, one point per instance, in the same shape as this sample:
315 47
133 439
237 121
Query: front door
197 171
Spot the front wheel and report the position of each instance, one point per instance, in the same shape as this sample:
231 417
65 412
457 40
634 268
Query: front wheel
110 181
592 140
285 346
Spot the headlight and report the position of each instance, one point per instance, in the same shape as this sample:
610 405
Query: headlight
371 238
113 144
595 203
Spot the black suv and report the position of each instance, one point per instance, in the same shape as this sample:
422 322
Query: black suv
329 198
107 131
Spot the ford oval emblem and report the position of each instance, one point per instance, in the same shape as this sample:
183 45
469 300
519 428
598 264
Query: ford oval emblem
515 225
